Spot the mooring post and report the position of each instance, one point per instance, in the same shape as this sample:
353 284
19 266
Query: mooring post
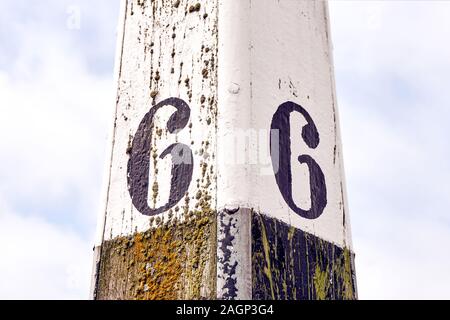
225 178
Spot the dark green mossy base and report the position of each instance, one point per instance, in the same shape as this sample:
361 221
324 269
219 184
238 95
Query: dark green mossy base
290 264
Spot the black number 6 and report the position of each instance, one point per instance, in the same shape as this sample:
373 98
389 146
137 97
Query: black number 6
280 150
139 162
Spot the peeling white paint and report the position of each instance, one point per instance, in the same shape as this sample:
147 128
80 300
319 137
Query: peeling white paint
234 263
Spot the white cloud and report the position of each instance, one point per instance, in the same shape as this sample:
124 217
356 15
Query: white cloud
41 260
408 260
54 117
399 210
54 122
392 67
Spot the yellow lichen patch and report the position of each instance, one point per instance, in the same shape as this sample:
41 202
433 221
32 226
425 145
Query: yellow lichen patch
267 268
175 260
321 283
160 268
348 291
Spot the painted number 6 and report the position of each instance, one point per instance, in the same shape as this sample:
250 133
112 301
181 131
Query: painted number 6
139 162
280 150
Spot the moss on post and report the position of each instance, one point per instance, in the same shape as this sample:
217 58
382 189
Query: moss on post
175 260
288 264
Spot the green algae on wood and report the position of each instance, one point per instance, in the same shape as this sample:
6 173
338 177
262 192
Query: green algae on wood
290 264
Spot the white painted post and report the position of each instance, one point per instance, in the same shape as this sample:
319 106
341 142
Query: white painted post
226 177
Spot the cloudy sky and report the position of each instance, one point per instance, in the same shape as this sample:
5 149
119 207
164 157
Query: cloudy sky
392 63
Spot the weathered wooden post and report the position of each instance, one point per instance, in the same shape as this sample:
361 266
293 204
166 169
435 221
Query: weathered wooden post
226 178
